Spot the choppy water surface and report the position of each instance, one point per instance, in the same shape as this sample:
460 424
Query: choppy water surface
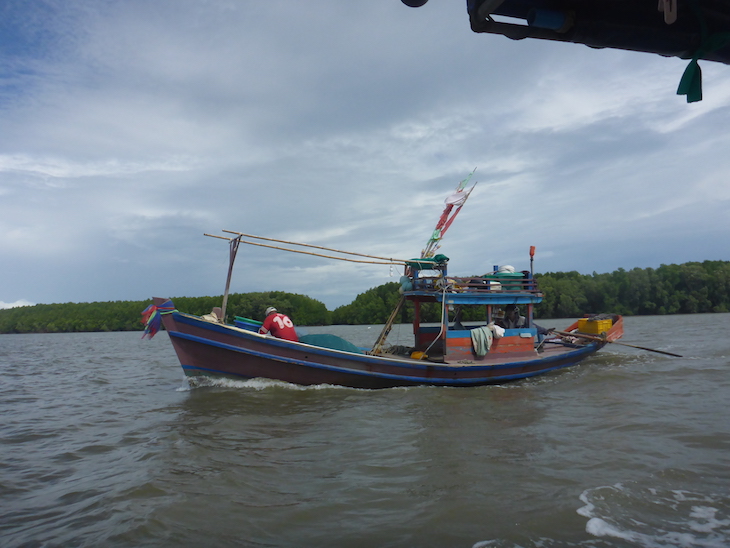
102 443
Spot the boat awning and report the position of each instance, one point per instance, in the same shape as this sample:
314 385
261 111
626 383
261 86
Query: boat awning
495 298
688 29
683 28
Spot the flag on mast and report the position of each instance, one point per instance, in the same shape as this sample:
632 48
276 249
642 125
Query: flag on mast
454 203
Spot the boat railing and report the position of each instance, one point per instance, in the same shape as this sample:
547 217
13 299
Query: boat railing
523 283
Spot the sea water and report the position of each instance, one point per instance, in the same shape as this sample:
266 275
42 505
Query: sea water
104 443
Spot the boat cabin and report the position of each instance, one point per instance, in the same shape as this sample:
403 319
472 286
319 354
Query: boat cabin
453 342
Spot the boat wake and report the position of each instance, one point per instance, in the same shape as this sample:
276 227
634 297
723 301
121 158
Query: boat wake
671 509
192 383
638 514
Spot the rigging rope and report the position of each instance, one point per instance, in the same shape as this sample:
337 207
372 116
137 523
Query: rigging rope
383 261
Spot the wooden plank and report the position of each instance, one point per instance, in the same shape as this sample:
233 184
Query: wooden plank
512 344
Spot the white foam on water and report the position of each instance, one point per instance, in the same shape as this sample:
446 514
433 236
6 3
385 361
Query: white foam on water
262 383
255 384
640 516
708 514
587 510
185 386
484 544
600 528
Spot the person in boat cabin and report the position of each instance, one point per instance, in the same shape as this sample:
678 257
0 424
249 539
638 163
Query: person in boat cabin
279 325
513 320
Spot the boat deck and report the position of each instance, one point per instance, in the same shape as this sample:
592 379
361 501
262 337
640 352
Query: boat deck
547 351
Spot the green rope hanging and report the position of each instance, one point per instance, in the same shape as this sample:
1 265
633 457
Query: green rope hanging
691 81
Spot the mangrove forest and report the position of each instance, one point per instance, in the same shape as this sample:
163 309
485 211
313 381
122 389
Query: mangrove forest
689 288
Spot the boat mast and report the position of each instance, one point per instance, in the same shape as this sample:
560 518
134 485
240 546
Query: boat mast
458 198
233 249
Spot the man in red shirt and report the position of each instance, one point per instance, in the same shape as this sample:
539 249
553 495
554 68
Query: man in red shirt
279 325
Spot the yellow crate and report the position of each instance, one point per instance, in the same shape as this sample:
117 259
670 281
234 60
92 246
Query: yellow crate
594 327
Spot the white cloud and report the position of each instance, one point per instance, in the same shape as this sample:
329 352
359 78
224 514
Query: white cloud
62 168
19 302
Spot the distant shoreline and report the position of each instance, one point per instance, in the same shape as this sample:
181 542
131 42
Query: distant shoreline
689 288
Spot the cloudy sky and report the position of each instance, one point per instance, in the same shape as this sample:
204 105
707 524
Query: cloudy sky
128 129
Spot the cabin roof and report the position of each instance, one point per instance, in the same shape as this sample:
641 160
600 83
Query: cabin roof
696 28
496 298
688 29
491 289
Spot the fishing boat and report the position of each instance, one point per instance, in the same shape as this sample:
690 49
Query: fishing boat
443 354
448 352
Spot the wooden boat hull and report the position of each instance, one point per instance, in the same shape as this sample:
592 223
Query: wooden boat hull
206 348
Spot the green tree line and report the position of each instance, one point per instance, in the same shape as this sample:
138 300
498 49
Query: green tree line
689 288
126 315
